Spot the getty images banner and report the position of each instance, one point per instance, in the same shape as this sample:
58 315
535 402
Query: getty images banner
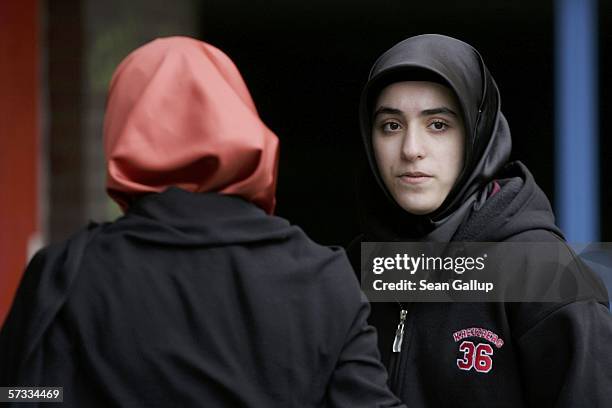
485 271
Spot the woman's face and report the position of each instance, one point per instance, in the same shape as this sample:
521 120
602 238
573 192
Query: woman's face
418 138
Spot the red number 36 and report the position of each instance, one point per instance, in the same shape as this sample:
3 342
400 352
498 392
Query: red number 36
475 356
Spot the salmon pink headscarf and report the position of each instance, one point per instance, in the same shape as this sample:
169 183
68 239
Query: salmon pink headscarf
179 114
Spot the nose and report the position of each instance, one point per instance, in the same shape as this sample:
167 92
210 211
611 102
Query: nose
412 145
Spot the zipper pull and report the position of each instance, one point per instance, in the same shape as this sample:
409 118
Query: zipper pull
399 333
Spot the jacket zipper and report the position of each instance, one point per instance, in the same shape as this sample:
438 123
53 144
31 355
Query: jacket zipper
399 332
396 357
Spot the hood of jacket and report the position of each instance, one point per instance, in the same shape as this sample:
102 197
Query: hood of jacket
177 217
520 207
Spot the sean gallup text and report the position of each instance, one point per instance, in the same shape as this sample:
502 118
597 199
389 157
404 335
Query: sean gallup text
472 285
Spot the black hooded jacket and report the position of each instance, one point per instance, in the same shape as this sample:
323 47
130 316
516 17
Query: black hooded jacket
194 300
551 354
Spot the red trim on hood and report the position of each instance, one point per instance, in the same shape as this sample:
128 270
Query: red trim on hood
496 189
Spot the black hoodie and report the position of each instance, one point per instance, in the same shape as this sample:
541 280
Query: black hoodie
194 300
550 354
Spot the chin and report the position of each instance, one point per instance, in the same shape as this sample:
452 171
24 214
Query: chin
420 207
419 211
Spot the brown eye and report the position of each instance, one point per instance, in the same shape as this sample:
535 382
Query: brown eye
438 126
391 127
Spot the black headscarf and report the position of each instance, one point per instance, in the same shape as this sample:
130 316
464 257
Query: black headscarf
460 67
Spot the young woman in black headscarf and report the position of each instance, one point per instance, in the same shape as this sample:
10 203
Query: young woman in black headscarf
438 148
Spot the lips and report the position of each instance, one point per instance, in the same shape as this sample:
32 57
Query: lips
414 177
415 174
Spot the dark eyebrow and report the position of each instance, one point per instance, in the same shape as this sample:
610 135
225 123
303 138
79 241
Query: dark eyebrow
437 111
426 112
388 110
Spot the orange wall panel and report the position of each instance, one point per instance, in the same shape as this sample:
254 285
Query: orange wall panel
19 130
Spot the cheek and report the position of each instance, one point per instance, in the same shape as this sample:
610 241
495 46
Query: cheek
382 154
453 159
